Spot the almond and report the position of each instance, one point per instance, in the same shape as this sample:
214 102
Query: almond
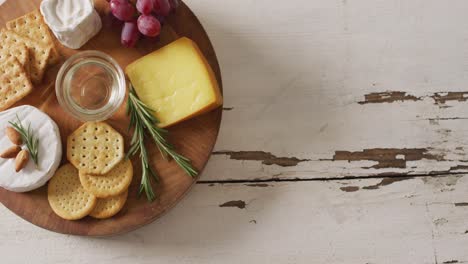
14 136
10 152
21 160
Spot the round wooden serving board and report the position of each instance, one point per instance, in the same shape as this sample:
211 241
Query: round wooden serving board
194 138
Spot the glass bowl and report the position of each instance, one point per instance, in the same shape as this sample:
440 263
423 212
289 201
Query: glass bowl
90 86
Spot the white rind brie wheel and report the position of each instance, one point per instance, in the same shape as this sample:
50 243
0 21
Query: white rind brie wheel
50 150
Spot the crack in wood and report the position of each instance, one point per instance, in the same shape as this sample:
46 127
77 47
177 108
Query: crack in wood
461 204
387 158
450 261
228 108
257 185
391 174
372 176
238 203
265 157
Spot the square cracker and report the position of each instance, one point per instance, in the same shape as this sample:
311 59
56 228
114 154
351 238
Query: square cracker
32 26
18 51
14 83
39 53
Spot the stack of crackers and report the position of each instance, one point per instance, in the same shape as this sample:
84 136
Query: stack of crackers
26 49
97 180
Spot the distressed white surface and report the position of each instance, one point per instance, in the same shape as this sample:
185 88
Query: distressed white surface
411 221
294 73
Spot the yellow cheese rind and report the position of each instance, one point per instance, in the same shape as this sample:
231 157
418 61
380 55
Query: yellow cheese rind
175 81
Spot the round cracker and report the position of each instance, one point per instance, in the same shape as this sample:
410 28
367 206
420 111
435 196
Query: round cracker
67 197
110 184
108 207
95 148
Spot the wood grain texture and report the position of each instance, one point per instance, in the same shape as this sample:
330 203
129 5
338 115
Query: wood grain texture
194 138
417 220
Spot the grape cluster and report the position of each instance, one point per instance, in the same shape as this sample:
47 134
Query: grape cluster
141 17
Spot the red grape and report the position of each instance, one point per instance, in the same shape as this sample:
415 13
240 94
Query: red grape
144 6
149 25
161 7
130 34
122 10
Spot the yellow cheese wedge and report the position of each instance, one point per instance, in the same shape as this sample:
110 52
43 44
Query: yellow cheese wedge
175 81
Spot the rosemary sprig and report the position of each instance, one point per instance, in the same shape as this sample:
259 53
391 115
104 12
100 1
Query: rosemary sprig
142 119
32 142
138 145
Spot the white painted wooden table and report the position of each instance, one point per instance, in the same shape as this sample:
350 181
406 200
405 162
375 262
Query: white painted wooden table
343 140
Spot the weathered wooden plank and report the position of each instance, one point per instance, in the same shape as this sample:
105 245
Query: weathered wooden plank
408 220
311 85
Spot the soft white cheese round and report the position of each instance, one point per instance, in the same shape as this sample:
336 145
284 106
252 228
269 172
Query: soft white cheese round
49 155
73 22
